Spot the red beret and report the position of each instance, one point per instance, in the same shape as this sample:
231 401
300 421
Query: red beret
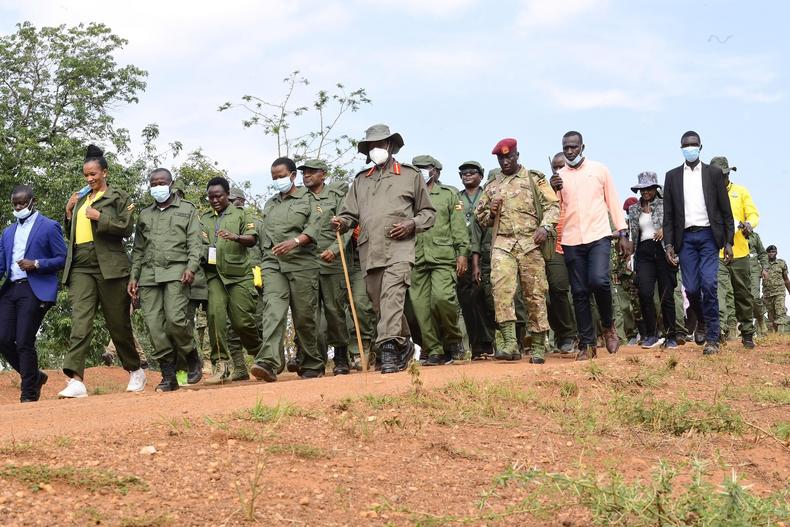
504 146
630 201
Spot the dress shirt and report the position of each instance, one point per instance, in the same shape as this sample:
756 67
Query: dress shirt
693 197
21 235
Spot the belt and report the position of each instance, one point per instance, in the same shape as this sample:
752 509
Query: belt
696 229
20 281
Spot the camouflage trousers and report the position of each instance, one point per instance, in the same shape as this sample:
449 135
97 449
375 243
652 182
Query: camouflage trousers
777 312
529 267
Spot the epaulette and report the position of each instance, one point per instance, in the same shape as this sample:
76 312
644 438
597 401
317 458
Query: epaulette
537 174
409 165
449 187
188 202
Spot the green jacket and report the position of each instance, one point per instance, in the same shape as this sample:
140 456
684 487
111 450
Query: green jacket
109 231
327 204
758 258
470 203
233 261
285 219
166 243
448 238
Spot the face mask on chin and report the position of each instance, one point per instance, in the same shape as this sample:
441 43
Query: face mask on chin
379 155
24 213
426 175
576 161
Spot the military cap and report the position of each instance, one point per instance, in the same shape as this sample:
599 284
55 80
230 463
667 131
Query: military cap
505 146
236 193
316 164
472 164
770 248
379 132
629 202
425 161
723 164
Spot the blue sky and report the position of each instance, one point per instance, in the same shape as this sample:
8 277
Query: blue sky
455 76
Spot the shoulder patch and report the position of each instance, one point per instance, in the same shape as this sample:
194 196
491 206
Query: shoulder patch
250 225
130 208
204 234
537 173
459 206
318 209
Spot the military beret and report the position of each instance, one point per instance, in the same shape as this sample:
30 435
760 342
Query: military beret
505 146
723 164
630 201
472 164
316 164
236 193
425 161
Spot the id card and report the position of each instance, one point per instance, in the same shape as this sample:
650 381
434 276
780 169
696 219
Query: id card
212 256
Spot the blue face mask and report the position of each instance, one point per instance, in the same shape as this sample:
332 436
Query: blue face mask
283 184
160 193
691 153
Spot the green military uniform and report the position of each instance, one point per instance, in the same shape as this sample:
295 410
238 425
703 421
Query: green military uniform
432 292
625 298
560 309
774 295
515 254
758 260
366 315
231 293
290 280
166 244
96 274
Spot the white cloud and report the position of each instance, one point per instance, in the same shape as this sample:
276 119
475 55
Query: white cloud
546 14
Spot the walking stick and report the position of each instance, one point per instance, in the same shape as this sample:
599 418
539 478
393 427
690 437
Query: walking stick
351 301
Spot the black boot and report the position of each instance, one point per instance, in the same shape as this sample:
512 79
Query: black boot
194 367
169 382
341 361
406 354
389 357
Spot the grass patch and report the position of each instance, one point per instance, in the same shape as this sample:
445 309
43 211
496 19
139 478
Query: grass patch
771 394
301 451
63 441
104 389
14 448
262 413
676 418
87 478
147 521
782 431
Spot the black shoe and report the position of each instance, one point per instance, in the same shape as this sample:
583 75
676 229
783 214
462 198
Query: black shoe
293 365
42 380
711 348
748 341
537 360
699 336
194 367
434 360
406 354
501 355
454 352
310 374
263 373
341 361
389 357
169 382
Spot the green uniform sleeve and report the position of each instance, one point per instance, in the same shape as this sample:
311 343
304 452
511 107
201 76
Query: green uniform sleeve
314 222
117 220
248 225
194 242
424 211
138 251
762 255
458 227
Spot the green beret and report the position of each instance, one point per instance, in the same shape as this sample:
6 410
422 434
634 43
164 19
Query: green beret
316 164
472 164
426 161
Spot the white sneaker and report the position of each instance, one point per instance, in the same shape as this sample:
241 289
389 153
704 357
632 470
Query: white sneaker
73 389
136 381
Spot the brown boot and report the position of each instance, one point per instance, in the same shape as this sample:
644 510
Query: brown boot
586 352
611 340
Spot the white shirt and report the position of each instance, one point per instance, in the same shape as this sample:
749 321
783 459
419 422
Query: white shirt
693 197
647 231
20 244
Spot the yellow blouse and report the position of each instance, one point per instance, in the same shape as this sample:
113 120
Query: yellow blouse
83 232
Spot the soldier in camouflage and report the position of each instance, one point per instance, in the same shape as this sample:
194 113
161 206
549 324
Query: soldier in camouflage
775 282
758 261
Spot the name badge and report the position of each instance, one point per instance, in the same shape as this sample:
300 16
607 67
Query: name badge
212 256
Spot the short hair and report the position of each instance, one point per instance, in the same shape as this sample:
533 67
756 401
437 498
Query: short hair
23 189
770 248
221 181
94 153
558 154
161 171
690 133
572 133
287 161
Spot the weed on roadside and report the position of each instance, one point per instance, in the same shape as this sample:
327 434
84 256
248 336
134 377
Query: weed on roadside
91 479
676 418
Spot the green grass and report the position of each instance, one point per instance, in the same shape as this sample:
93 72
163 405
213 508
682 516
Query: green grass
147 521
771 394
782 431
261 413
676 418
87 478
299 450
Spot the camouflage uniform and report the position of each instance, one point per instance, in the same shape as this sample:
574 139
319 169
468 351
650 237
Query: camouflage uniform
515 254
627 311
774 295
758 260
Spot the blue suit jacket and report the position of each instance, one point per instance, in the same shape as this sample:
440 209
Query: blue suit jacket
44 244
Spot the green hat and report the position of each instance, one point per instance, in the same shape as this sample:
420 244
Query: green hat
472 164
179 184
426 161
723 164
236 193
379 132
317 164
494 172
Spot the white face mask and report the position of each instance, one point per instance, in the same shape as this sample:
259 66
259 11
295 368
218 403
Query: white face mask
283 184
24 213
426 175
379 155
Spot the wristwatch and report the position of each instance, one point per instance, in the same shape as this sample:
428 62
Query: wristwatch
36 264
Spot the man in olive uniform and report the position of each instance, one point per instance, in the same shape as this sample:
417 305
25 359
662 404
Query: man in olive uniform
474 286
390 203
440 257
332 294
758 260
508 205
775 282
366 315
227 234
291 225
165 258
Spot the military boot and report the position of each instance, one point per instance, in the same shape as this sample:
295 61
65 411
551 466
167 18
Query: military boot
509 348
169 382
538 349
341 361
194 367
405 355
220 375
454 352
762 327
389 357
240 372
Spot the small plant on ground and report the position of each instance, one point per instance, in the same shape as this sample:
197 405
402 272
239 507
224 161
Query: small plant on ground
676 418
91 479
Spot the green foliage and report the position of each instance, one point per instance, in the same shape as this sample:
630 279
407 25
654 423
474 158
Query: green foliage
676 418
87 478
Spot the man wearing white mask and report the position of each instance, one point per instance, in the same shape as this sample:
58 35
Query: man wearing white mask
390 203
165 258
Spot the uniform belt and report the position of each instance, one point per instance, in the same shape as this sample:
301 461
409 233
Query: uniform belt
20 281
696 229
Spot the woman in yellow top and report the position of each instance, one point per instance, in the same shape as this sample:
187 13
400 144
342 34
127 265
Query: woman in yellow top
96 273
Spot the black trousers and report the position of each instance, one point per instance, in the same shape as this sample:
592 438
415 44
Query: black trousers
651 268
589 270
21 314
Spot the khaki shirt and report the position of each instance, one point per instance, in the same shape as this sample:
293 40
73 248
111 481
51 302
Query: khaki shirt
285 218
380 198
166 243
518 215
233 261
448 238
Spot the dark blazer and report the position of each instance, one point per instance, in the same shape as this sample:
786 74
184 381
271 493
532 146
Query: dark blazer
716 201
44 244
114 224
